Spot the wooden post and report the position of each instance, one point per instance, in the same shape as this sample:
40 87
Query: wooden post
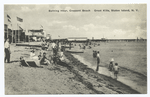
28 38
16 36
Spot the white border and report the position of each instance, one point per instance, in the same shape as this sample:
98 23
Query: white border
2 90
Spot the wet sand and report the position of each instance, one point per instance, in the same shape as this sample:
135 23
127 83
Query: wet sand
136 84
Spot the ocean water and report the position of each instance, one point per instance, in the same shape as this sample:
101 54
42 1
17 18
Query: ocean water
129 55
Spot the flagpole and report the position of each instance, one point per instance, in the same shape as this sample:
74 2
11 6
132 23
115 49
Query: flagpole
18 32
12 34
7 31
7 27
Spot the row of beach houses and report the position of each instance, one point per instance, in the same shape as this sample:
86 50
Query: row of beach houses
16 33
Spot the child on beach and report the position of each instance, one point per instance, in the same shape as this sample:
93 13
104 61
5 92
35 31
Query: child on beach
40 56
116 70
98 61
110 67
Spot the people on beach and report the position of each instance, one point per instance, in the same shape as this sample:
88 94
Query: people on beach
112 60
116 70
98 61
61 56
80 46
54 47
94 54
110 68
70 45
55 59
23 62
7 51
44 60
59 48
46 46
32 55
84 47
40 56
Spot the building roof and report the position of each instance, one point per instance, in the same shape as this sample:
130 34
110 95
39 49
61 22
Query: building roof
77 38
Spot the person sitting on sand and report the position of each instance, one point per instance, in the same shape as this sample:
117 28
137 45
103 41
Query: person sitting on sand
40 56
44 60
98 61
32 55
23 62
116 70
110 67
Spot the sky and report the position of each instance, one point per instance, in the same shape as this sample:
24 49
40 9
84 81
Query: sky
110 25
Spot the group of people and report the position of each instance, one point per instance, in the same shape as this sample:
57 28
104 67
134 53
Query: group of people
56 47
112 68
42 58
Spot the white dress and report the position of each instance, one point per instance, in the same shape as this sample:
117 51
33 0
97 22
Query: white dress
32 56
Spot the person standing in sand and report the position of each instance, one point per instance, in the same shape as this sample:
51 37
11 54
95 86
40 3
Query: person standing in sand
7 51
110 67
53 47
98 61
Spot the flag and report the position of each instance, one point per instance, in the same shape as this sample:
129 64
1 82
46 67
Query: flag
9 21
10 26
20 28
41 26
8 16
19 19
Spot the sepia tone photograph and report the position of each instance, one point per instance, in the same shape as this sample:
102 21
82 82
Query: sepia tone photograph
75 49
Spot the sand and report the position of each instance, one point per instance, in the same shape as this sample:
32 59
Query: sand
68 77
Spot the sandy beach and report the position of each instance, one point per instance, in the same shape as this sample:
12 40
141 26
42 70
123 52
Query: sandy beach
69 77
